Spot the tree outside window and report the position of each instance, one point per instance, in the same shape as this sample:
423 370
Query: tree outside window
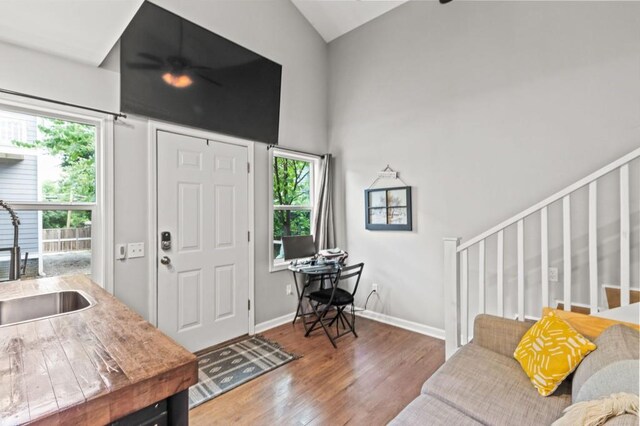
292 199
74 145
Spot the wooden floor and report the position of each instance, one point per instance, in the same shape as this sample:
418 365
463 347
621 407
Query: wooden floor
365 381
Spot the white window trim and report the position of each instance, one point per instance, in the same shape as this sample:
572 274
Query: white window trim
102 248
315 162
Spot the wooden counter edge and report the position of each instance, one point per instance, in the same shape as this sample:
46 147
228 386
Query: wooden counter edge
112 406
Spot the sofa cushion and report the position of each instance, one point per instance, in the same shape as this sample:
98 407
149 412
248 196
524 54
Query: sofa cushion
616 343
427 410
493 389
550 351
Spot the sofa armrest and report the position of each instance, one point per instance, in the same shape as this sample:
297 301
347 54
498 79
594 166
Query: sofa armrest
500 335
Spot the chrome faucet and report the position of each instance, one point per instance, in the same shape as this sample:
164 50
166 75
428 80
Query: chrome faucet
14 266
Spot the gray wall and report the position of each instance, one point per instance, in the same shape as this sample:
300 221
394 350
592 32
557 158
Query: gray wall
274 29
485 108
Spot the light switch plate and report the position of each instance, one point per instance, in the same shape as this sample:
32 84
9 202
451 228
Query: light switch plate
135 250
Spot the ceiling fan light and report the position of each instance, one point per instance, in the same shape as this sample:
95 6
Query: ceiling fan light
177 80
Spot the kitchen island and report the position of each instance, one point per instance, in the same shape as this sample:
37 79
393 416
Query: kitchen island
99 365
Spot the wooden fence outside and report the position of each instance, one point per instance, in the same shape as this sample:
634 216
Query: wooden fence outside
66 239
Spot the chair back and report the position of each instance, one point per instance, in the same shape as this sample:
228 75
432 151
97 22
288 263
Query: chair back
347 272
297 247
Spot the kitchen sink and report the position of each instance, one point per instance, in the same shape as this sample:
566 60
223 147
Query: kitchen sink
40 306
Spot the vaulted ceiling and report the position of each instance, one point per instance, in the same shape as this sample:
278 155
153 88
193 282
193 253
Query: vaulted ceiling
333 18
86 30
80 30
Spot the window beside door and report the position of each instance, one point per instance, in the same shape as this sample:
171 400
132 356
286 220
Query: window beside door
291 200
48 174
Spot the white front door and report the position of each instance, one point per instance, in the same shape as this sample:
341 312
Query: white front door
203 277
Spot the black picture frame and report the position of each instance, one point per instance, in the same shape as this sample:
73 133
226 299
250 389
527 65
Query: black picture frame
388 209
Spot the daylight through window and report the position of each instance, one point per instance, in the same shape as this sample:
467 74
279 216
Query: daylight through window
293 198
48 172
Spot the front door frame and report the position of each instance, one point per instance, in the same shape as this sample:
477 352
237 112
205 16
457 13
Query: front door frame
152 167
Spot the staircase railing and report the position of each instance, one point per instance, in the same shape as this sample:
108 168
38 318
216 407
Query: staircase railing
456 256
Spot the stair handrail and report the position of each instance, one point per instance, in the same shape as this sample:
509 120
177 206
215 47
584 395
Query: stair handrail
552 199
456 256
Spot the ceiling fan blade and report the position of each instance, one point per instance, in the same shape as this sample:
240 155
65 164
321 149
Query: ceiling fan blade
140 66
200 67
204 77
151 57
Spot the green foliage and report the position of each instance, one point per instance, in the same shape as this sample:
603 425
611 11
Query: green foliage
74 144
291 187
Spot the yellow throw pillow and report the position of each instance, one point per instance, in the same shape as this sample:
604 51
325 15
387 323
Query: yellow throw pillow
550 351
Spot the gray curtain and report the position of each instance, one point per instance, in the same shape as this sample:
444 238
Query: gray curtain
323 214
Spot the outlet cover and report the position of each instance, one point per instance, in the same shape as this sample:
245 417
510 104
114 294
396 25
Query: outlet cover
135 250
553 275
374 287
289 291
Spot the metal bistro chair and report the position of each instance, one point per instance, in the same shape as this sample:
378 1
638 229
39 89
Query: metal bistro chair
336 299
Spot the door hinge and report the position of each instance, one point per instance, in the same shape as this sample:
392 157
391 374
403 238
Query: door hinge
248 167
249 304
248 235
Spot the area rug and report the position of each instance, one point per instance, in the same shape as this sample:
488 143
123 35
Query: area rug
228 367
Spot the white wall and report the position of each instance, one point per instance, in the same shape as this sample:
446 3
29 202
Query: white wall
274 29
485 108
28 71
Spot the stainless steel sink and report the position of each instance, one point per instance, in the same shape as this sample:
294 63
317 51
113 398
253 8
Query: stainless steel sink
40 306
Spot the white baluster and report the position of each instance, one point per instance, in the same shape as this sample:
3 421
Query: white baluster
625 269
464 296
544 254
481 277
566 233
500 271
593 246
521 270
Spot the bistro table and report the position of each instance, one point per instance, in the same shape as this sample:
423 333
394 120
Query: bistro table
314 272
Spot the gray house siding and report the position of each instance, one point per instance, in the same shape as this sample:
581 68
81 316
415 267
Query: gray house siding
19 182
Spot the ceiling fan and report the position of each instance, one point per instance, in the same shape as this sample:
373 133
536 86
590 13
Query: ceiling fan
179 70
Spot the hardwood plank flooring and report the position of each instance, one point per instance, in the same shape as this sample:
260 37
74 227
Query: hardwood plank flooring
367 380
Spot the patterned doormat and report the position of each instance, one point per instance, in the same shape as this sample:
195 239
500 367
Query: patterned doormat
228 367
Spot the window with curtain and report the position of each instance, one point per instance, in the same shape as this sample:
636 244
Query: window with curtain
292 199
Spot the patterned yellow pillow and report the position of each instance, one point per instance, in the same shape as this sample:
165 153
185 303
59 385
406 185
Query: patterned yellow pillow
550 351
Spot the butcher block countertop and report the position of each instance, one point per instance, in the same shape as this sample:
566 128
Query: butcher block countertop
88 367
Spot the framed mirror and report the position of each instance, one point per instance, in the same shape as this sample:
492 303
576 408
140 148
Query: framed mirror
388 209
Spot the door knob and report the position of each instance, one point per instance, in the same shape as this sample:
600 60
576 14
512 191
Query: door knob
165 260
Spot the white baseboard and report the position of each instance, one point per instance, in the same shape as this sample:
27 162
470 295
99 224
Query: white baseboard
273 323
375 316
438 333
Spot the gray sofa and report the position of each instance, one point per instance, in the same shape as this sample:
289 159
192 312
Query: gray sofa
482 384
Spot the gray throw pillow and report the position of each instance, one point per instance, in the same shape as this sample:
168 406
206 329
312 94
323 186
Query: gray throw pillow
619 376
617 343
